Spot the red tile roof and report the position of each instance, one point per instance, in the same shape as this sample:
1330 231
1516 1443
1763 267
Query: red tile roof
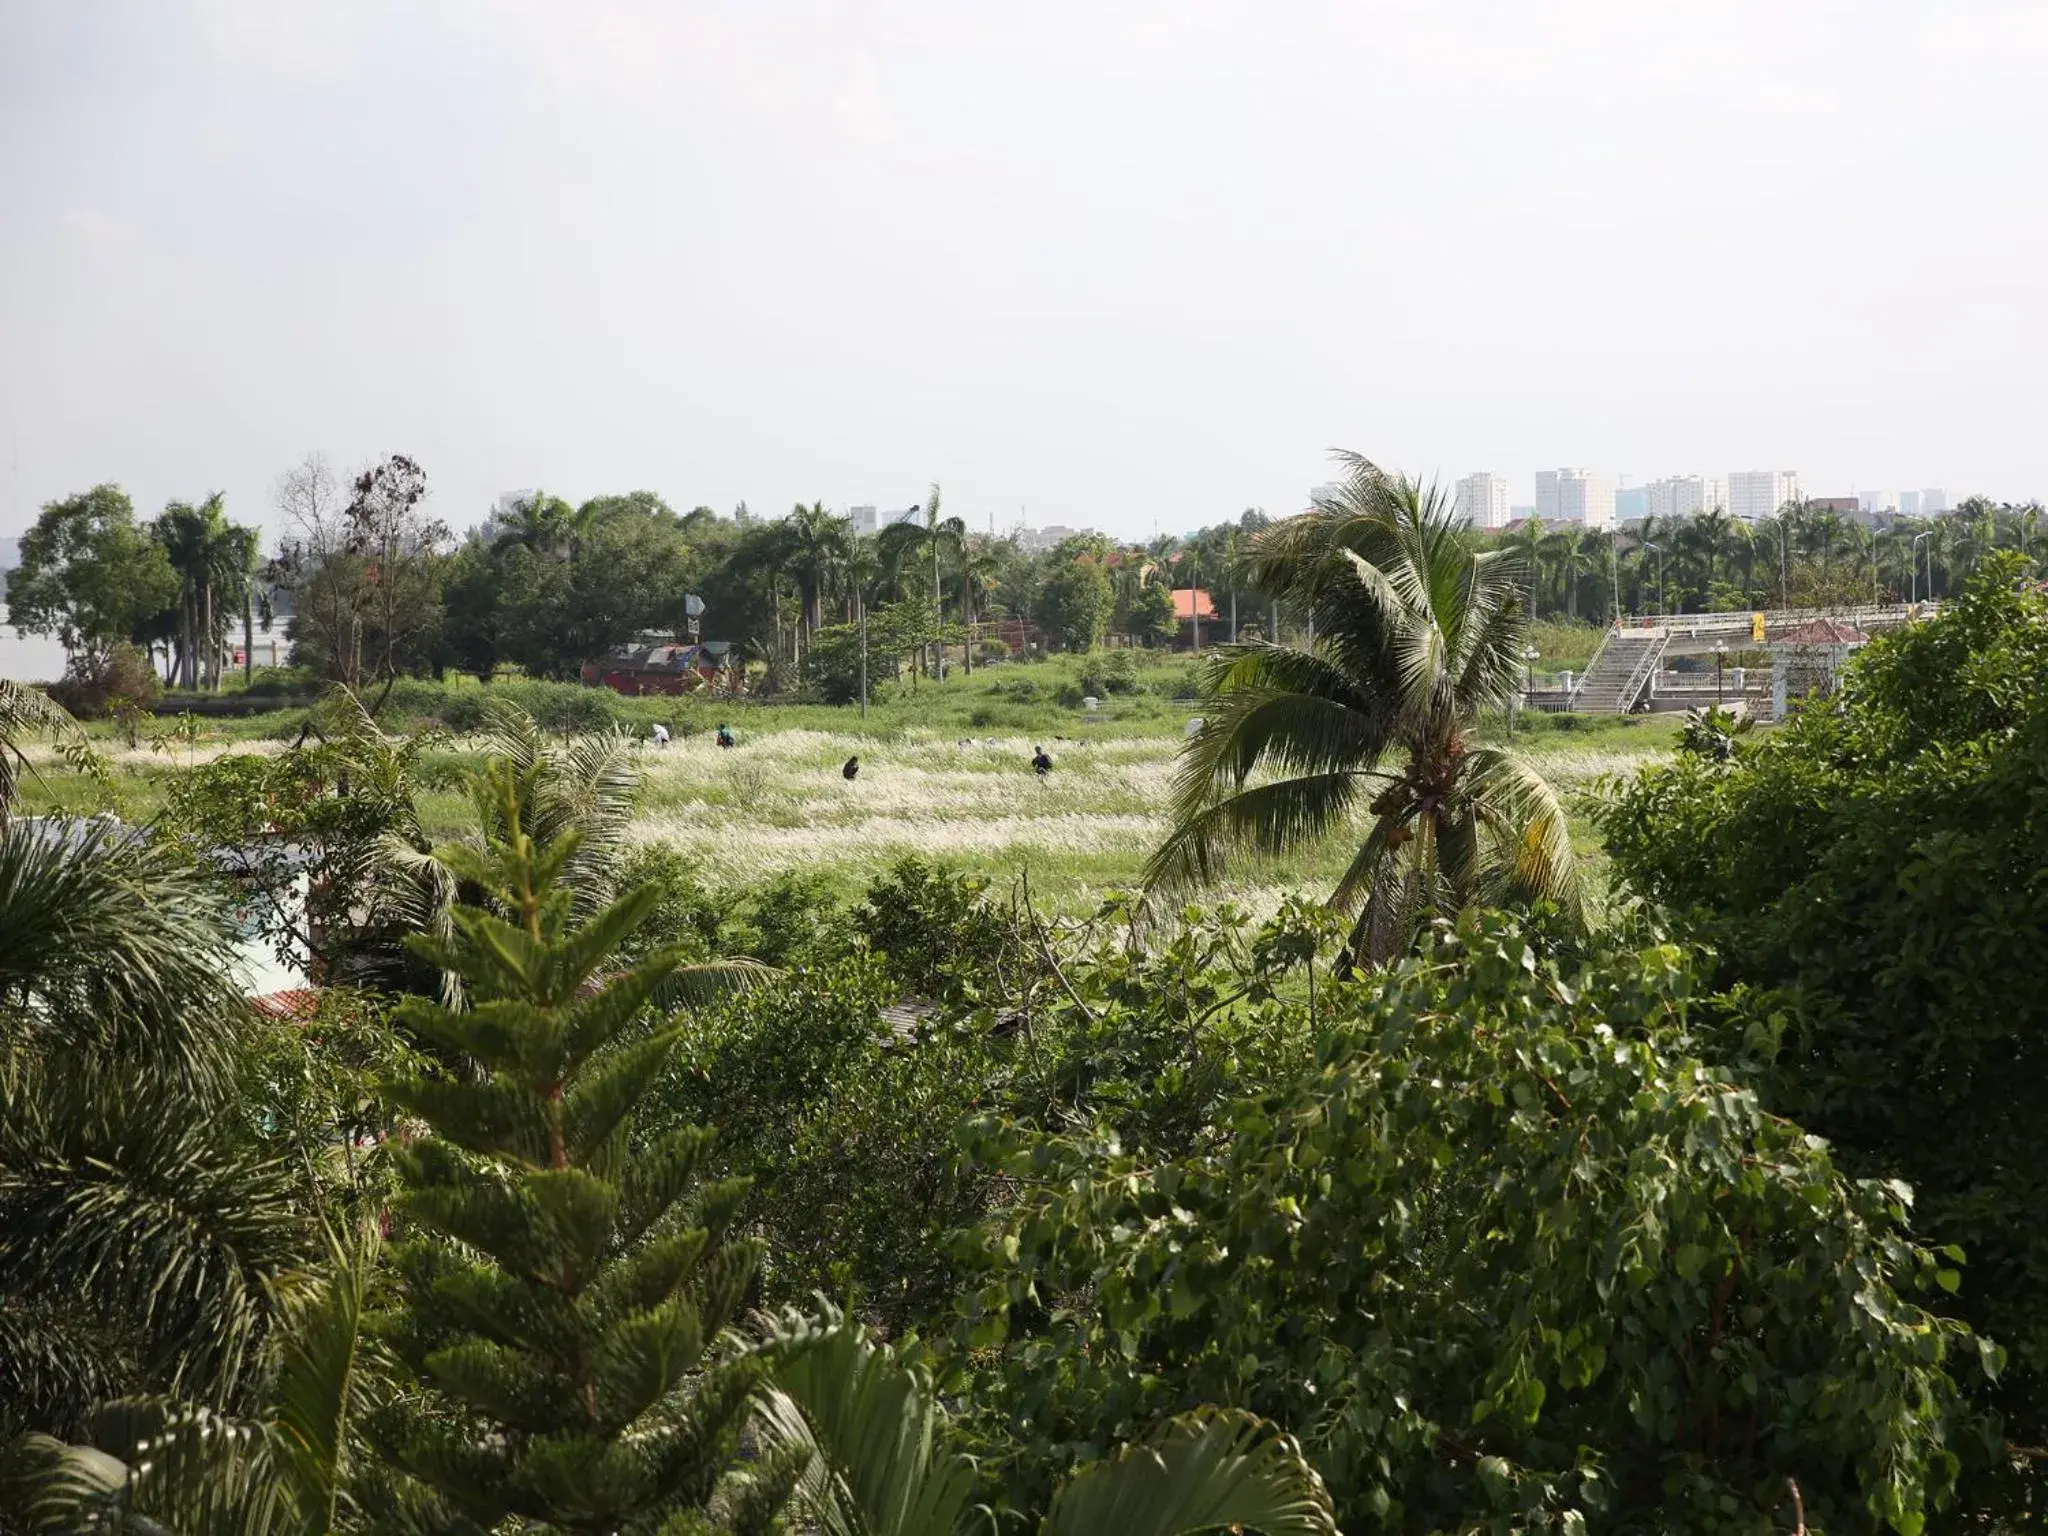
1189 602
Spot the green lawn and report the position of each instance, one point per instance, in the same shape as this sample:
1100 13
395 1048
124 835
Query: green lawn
932 782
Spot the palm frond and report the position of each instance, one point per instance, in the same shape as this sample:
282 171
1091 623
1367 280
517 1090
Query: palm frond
319 1383
1518 809
711 982
1266 819
25 712
871 1428
1213 1469
134 1206
110 946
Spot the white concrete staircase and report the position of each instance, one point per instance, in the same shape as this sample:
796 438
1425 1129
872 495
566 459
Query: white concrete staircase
1619 674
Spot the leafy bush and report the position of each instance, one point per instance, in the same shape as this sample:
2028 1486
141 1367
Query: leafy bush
1878 868
932 929
1505 1255
687 915
90 690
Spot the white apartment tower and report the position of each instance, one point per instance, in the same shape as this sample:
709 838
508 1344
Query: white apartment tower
1483 500
1575 496
1682 495
1755 493
862 519
1933 501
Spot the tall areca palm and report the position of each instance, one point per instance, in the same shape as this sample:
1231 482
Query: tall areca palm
1708 536
814 549
1414 636
902 542
1530 543
1570 552
212 558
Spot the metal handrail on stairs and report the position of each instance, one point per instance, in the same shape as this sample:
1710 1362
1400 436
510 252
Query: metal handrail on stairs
1645 668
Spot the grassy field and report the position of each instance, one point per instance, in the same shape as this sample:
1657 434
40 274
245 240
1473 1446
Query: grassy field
945 774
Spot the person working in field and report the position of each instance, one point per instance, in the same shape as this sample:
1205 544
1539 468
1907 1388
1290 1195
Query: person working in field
1040 763
724 734
660 734
852 769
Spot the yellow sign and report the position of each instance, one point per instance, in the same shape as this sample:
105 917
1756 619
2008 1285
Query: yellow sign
1756 627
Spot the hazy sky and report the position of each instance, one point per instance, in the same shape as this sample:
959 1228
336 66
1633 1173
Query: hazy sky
1121 264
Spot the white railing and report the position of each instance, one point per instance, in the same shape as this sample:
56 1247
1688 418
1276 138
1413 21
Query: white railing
1639 677
1866 616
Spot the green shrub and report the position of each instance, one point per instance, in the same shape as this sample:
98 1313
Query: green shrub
1505 1255
933 929
1878 870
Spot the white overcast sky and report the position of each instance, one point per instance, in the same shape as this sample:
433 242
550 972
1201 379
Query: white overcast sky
1122 264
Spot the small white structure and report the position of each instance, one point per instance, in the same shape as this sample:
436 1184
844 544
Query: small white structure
1809 659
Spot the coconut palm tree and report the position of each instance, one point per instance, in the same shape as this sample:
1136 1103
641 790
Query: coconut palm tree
1415 635
545 524
873 1437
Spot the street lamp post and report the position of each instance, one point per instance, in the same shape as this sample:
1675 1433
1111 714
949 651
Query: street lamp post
1720 655
1914 578
1663 603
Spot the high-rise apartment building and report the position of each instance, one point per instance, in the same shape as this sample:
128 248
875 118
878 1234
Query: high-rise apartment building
1575 496
1631 503
862 519
1482 500
1909 503
1755 493
1933 500
1683 495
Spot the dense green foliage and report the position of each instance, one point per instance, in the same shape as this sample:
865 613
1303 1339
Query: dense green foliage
1807 555
1879 868
1505 1252
89 575
1165 1218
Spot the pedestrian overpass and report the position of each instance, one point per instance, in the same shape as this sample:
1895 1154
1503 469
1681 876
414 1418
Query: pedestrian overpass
1622 671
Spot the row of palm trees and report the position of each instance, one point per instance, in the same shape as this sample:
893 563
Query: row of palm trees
1807 555
216 565
837 571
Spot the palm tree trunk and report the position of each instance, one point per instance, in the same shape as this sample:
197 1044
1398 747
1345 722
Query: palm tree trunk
188 661
210 667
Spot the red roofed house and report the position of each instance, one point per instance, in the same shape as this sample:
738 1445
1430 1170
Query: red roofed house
1190 604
